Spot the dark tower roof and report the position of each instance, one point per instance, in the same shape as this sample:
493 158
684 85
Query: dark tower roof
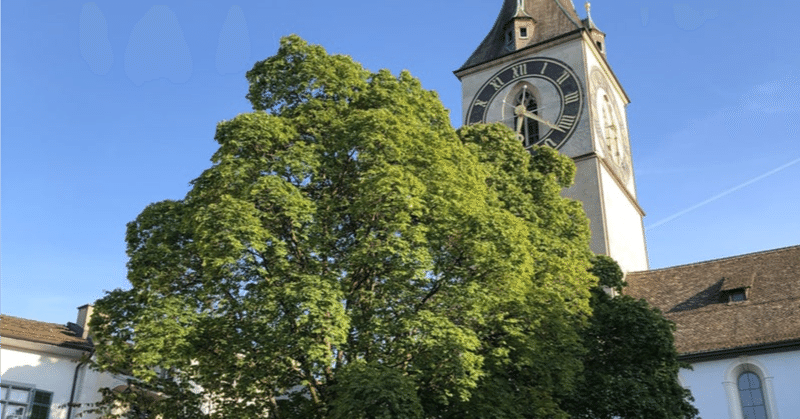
551 18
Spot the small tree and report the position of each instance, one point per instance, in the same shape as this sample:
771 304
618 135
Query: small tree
348 254
631 365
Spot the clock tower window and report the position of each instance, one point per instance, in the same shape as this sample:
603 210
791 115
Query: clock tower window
525 95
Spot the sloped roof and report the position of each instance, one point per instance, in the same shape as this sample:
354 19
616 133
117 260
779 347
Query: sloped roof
553 18
694 297
41 332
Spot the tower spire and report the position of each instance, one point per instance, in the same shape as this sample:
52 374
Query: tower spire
522 23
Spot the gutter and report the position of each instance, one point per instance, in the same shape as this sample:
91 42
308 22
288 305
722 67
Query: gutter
75 384
763 348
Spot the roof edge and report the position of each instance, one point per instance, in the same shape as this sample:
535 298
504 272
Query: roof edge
724 258
761 348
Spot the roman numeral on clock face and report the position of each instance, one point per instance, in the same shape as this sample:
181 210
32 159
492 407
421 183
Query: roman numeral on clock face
566 121
562 77
570 98
519 70
480 103
549 142
497 83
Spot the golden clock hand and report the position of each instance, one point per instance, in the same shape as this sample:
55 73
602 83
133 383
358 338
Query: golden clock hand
533 116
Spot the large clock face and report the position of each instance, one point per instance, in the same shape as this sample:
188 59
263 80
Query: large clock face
540 98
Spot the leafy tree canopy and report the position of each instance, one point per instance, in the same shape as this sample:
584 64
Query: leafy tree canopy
631 365
349 254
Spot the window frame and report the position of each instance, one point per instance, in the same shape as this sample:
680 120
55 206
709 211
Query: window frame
750 389
735 370
29 404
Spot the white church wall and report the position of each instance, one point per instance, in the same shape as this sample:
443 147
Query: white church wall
713 384
623 225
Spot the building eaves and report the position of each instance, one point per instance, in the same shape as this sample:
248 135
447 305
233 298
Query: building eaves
41 332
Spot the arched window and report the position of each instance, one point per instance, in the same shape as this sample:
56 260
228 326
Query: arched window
526 96
751 396
748 385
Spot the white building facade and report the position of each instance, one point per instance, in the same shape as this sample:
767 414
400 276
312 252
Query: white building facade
44 373
738 325
770 385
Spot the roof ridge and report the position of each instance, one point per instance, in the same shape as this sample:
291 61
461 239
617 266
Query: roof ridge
724 258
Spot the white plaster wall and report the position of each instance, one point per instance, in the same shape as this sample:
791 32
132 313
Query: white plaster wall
55 373
706 384
48 373
623 223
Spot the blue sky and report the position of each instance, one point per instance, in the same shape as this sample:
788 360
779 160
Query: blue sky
108 106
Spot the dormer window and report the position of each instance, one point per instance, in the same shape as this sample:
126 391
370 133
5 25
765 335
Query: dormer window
737 295
736 288
510 40
523 32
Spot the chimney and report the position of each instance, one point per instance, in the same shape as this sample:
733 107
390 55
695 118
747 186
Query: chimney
84 315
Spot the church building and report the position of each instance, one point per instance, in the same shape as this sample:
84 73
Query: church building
542 70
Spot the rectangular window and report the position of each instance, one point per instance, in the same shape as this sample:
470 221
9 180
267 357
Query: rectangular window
19 401
738 295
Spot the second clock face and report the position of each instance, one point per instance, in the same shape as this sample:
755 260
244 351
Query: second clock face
543 115
610 130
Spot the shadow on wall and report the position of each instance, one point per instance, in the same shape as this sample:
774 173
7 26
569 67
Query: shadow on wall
47 375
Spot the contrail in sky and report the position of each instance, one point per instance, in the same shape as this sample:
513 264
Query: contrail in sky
722 194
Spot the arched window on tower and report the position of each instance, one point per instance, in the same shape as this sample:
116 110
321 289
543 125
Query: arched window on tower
751 396
530 127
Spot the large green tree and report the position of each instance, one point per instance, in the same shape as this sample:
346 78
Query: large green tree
348 254
631 364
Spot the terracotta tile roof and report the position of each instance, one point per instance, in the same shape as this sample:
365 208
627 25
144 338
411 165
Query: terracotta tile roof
695 297
41 332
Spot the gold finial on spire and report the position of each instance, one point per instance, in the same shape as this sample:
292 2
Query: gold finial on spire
589 22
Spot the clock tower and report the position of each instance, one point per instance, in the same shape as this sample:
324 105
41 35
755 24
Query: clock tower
542 71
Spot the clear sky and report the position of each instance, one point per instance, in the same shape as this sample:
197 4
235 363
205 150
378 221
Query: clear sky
108 106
